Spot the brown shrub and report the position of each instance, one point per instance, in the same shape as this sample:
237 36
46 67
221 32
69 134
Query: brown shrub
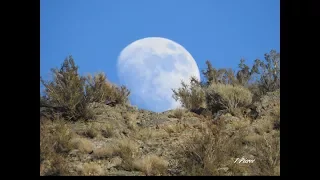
152 165
65 94
178 113
229 97
190 97
92 169
84 145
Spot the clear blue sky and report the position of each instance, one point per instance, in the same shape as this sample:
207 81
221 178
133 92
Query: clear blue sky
95 31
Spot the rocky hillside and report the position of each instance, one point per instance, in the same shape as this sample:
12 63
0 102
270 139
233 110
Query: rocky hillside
230 125
125 141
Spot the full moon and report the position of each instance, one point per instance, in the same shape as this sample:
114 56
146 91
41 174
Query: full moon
151 67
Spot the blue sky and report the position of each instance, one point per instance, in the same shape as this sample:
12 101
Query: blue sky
95 31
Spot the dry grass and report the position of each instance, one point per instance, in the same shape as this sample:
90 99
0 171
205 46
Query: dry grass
130 120
84 145
104 152
238 124
91 169
178 113
92 130
107 130
265 124
55 165
128 150
54 145
226 96
210 149
55 137
152 165
191 96
268 153
149 133
174 128
130 116
87 129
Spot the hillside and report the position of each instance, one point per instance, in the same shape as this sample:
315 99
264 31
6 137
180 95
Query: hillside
226 128
127 141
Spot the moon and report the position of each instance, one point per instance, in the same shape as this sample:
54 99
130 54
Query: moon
151 67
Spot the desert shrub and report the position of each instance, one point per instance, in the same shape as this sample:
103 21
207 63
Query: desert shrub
91 169
82 144
54 165
121 94
174 128
147 134
107 131
65 93
203 154
92 130
104 152
256 92
55 137
267 153
269 71
227 97
152 165
99 89
128 150
54 145
191 97
130 120
269 105
211 151
178 113
212 75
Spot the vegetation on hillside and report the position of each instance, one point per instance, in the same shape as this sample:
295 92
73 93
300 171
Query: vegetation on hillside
229 125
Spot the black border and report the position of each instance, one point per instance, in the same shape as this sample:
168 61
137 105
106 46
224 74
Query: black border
284 29
21 38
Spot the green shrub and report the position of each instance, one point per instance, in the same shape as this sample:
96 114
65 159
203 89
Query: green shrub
227 97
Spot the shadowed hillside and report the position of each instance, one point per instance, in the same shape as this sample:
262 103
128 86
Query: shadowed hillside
229 125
